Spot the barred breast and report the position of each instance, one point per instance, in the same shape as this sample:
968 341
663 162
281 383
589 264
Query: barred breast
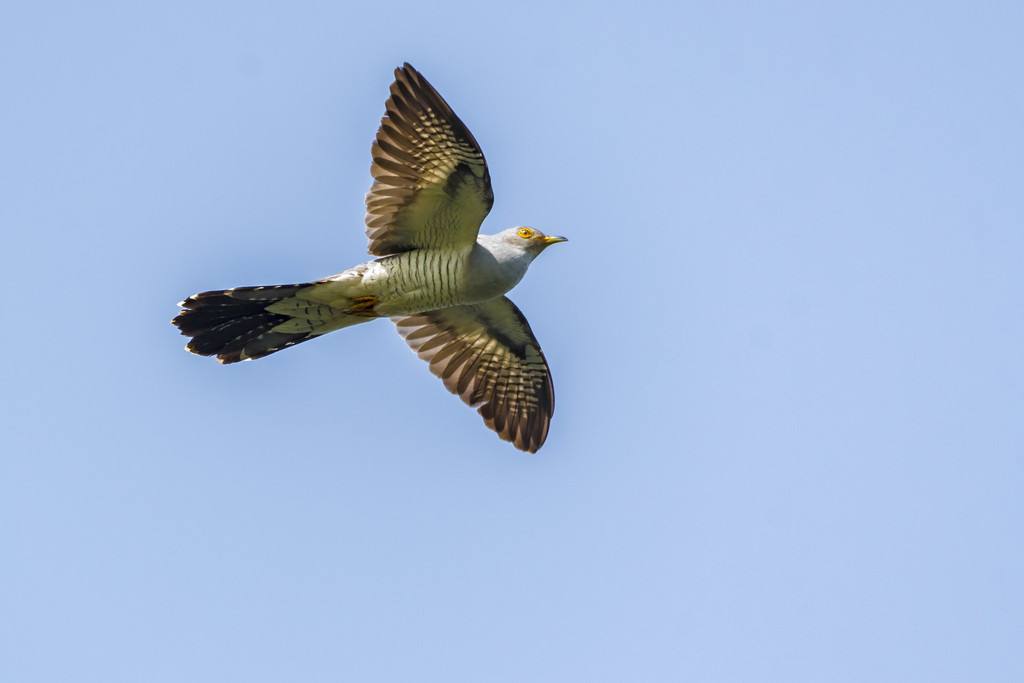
418 280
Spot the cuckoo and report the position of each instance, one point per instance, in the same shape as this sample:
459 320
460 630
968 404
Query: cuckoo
441 282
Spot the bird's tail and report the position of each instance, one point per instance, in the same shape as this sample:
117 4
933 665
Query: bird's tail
251 322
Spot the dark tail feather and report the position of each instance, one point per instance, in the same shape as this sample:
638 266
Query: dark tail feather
234 325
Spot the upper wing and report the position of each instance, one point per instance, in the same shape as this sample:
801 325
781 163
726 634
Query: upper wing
487 354
430 187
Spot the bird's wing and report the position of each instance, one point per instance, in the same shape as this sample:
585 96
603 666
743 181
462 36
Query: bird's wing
430 187
487 354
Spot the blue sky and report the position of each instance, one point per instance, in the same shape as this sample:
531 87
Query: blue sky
786 339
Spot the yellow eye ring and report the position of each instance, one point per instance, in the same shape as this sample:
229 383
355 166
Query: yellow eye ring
525 233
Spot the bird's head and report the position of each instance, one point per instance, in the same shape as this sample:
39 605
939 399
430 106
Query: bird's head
529 240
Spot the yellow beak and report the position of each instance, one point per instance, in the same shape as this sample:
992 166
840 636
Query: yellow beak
554 239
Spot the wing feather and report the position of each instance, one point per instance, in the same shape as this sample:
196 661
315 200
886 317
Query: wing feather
487 355
431 187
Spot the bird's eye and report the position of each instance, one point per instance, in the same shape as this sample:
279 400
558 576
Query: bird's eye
525 233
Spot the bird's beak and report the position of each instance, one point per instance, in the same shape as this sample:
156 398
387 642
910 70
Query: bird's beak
554 239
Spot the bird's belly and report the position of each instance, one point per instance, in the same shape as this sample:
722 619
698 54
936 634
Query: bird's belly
421 280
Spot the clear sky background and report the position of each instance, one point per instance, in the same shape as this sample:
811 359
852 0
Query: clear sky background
786 338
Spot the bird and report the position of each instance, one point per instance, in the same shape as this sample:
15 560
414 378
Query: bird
441 282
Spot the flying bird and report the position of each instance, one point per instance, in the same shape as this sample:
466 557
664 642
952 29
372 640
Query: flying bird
441 282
